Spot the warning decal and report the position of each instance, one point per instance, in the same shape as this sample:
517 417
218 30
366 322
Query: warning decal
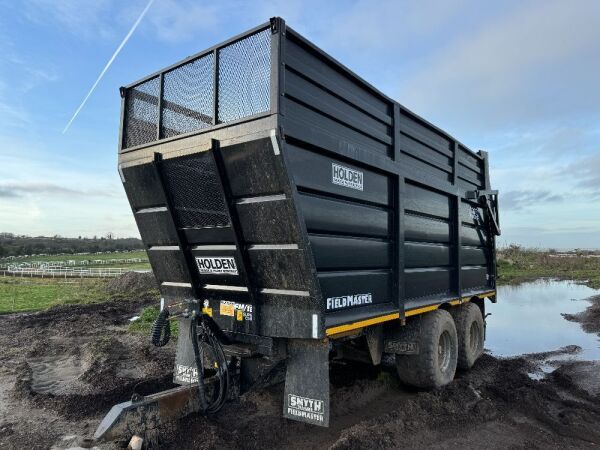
241 311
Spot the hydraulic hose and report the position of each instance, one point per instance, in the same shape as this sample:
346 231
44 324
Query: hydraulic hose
161 329
205 334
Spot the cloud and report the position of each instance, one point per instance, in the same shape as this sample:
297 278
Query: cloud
169 20
585 173
175 21
35 77
13 115
18 77
530 64
519 200
15 190
389 23
88 20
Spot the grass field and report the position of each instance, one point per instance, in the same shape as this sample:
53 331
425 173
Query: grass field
516 264
31 294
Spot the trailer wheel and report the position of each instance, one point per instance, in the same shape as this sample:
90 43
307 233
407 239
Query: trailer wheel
470 331
435 364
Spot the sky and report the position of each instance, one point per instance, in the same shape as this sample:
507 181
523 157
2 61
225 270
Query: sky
519 79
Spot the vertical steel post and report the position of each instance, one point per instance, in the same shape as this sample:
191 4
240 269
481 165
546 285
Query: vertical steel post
277 65
399 215
161 81
123 94
215 86
457 224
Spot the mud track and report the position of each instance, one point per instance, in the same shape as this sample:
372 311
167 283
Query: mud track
62 369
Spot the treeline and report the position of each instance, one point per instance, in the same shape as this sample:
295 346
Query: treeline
15 245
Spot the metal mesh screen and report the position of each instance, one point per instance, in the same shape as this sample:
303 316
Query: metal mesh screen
188 103
188 92
196 193
141 113
245 77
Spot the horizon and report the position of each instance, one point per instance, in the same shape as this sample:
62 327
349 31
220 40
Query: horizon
104 236
495 76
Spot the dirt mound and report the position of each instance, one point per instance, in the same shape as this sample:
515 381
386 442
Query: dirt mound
132 284
85 379
590 318
62 369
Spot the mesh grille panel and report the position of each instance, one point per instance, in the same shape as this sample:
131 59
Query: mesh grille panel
188 92
188 102
244 77
141 112
195 189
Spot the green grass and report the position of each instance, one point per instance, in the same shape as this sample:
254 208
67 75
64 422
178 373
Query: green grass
517 264
144 324
31 294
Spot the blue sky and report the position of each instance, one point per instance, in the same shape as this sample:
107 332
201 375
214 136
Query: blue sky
520 79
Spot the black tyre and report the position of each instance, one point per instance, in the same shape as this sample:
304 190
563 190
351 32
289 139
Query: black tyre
435 364
470 330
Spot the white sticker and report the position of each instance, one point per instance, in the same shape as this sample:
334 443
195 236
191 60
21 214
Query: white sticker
307 408
186 374
349 300
217 265
347 177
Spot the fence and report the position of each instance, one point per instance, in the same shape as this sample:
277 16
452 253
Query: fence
76 263
66 272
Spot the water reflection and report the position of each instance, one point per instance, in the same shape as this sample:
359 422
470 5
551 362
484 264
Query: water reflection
527 319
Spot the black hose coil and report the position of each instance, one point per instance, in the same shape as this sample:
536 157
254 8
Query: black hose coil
205 334
161 329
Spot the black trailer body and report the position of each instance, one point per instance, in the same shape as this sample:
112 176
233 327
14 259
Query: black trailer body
293 203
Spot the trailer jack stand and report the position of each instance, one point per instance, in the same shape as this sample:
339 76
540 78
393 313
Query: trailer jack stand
142 417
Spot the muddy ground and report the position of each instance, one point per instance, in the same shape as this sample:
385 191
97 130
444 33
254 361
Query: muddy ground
590 317
62 369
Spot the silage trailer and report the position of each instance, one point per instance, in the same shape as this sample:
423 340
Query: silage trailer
294 214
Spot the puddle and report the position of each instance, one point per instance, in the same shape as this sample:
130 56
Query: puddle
527 319
54 374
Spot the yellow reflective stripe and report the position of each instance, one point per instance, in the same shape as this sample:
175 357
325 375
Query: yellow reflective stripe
362 323
411 312
414 312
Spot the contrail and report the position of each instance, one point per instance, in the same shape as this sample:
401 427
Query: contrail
110 61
